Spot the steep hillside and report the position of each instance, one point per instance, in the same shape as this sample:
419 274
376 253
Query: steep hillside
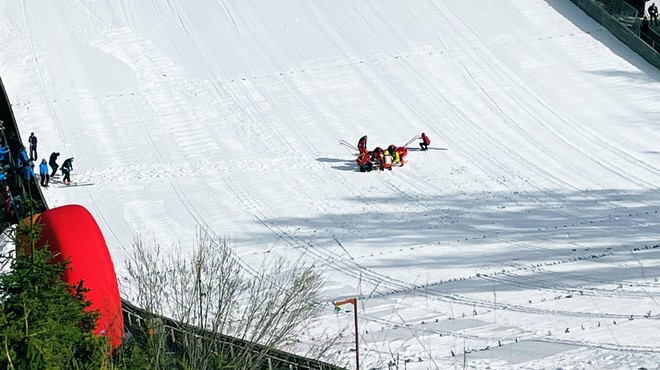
526 234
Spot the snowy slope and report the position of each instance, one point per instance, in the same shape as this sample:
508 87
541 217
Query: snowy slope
531 223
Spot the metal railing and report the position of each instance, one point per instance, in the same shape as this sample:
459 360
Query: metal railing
620 10
651 37
174 335
623 21
627 15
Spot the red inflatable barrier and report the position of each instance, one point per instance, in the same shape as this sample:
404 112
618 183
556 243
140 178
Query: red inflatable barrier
71 232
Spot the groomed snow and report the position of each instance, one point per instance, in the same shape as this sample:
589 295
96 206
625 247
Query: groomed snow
527 236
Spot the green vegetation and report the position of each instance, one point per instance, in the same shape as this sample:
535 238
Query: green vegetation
43 321
46 324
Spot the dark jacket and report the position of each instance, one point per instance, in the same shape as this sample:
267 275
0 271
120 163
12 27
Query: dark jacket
67 166
53 158
377 153
644 29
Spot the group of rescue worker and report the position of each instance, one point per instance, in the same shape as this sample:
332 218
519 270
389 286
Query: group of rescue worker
380 159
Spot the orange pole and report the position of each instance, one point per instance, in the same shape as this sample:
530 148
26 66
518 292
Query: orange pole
357 348
353 301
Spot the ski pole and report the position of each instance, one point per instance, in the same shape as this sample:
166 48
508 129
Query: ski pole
347 144
411 140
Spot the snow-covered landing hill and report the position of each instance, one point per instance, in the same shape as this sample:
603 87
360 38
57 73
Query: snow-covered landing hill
525 236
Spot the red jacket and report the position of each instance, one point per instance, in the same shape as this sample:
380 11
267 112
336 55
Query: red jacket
362 158
362 144
426 139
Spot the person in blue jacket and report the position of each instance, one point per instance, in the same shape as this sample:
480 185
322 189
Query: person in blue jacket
22 159
4 151
27 171
43 173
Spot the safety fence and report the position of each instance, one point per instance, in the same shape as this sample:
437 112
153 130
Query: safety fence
618 9
175 337
651 37
623 22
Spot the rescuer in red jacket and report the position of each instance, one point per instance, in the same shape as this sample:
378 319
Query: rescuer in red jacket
364 161
362 143
425 142
401 152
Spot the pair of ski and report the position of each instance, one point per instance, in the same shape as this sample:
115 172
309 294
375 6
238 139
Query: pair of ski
73 183
59 184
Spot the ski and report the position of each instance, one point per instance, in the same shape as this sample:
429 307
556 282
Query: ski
74 184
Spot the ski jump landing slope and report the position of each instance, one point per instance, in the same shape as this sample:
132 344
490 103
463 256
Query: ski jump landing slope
526 236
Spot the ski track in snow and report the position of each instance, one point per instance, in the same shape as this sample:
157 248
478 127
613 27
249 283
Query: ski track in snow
529 241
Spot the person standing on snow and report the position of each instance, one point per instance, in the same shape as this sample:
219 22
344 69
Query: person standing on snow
67 167
362 144
425 142
33 147
43 173
52 161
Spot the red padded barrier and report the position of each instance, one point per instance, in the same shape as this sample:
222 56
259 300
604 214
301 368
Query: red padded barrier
71 232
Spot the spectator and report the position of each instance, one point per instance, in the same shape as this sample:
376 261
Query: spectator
33 147
653 13
22 158
27 171
43 173
4 151
67 167
8 203
53 163
644 29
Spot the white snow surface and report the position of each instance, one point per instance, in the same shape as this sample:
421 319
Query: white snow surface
525 238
